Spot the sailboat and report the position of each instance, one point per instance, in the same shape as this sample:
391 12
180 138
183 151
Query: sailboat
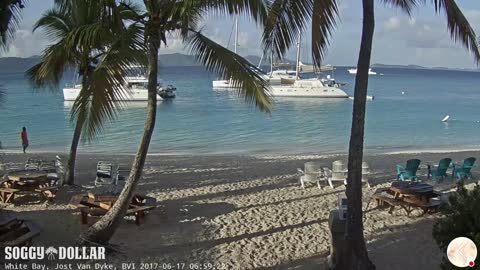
320 87
225 84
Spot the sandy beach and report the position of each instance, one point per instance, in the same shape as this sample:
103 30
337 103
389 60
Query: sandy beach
241 212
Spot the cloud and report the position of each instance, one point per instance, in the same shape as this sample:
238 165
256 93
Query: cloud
393 23
26 44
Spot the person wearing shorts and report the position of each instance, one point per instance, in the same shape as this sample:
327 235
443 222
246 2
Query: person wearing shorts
24 136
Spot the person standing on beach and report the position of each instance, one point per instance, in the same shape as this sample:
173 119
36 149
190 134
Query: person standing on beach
24 139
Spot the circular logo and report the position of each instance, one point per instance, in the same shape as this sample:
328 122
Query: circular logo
462 252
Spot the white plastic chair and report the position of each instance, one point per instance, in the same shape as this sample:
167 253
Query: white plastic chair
313 174
337 173
365 173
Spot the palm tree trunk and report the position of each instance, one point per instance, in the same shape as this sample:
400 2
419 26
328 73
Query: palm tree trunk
103 230
70 170
356 255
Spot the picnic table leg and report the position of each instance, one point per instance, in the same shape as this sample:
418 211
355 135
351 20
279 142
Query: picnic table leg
139 217
84 216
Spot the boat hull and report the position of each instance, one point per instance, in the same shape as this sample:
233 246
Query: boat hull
313 92
223 84
71 94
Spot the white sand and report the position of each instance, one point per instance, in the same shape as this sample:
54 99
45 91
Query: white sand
243 213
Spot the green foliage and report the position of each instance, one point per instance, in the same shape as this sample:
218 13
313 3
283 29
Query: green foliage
462 219
9 20
91 36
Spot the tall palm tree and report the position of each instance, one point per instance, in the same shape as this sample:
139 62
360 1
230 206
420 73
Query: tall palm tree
159 18
289 17
88 35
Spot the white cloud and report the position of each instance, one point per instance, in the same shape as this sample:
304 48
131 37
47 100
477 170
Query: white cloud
26 44
393 23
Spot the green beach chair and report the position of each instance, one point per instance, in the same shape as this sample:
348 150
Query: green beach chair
410 171
465 171
440 172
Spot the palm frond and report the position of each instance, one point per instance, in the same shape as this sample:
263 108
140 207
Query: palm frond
227 64
56 59
325 13
406 5
458 26
255 9
10 11
56 23
286 20
98 102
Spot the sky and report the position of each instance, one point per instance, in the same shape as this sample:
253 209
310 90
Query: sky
421 39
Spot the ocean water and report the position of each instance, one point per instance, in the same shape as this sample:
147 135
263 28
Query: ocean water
206 121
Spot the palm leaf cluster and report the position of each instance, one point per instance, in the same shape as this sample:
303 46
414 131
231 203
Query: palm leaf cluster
9 20
89 36
288 18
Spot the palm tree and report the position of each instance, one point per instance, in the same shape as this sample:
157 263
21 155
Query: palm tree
88 35
289 17
159 18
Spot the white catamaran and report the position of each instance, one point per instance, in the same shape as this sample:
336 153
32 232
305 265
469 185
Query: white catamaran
136 89
354 71
320 87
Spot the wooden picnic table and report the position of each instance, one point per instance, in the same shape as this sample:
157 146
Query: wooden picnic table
21 176
408 195
98 205
33 181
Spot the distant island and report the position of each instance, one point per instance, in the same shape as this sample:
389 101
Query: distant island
422 67
17 64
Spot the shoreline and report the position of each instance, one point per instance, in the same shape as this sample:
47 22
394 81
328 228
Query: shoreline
367 152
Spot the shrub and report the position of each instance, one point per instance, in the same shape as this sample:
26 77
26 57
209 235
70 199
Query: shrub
461 219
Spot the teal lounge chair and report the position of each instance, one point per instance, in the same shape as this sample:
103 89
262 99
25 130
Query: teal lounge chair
410 171
440 172
465 171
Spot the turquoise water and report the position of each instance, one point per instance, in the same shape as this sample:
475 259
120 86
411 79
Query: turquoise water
203 121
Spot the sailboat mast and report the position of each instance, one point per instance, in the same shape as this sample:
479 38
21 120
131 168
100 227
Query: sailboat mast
297 71
236 33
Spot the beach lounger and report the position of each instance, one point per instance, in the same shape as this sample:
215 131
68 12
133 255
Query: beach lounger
123 171
313 174
15 232
105 174
440 171
410 171
465 171
58 176
32 164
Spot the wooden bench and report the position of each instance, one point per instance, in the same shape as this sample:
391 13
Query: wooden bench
408 203
49 192
22 236
139 212
7 194
90 211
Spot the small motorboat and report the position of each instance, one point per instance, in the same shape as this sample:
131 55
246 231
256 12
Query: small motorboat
167 92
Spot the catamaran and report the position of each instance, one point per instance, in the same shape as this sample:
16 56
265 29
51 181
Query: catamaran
354 71
320 87
136 89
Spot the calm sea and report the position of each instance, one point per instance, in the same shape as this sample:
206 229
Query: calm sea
204 121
